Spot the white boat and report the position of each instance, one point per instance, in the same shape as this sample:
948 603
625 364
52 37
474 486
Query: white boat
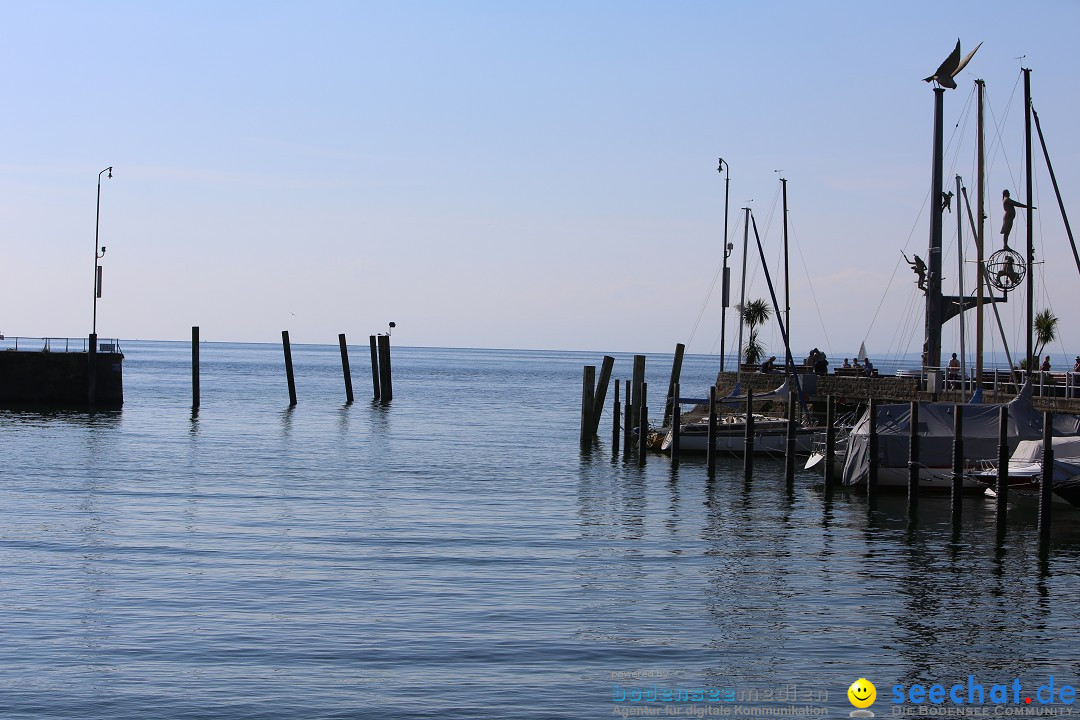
1025 470
770 435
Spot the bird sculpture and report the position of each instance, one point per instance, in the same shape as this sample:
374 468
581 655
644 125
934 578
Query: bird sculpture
952 67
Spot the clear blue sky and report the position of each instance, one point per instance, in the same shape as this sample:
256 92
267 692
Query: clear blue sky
506 174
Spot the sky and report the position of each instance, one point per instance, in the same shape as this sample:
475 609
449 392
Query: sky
536 175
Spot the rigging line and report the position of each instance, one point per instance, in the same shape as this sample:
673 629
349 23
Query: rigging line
810 284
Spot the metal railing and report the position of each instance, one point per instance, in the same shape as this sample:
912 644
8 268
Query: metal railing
25 343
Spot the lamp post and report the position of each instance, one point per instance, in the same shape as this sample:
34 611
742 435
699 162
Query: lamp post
725 284
99 252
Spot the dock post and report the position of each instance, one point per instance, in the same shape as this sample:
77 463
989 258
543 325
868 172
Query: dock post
91 370
587 380
789 449
830 440
288 366
628 424
872 452
386 382
1002 500
676 420
676 373
913 461
637 378
1046 485
748 440
601 392
643 425
957 499
616 416
374 365
710 450
345 367
194 367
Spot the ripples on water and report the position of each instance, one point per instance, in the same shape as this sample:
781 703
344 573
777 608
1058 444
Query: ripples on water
454 555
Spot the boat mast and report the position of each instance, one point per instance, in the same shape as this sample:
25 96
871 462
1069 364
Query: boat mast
934 310
725 293
1032 363
960 276
742 296
979 245
787 285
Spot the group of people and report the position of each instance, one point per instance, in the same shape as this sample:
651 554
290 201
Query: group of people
1045 367
817 361
866 366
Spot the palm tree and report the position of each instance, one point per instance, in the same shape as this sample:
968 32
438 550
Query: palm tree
754 314
1045 332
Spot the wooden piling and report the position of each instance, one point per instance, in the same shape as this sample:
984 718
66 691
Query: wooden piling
643 424
830 440
374 365
914 466
194 367
789 448
676 421
676 373
289 366
628 425
748 438
616 417
957 494
345 367
872 452
1046 485
637 378
710 450
601 392
1002 500
386 382
587 385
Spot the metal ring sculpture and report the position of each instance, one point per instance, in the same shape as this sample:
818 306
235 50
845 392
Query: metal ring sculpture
1006 269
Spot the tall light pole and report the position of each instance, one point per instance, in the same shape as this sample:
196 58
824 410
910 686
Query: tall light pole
99 252
725 280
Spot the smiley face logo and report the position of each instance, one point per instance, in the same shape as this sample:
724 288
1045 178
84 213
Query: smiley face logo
862 693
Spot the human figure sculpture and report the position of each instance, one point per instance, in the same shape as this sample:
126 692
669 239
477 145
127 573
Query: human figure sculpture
919 267
1010 206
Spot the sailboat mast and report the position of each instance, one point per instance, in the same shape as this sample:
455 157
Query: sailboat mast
787 284
1032 362
742 293
725 300
960 280
979 246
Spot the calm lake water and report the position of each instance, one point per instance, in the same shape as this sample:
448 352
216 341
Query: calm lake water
456 555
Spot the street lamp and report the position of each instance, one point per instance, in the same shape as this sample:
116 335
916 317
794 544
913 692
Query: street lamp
99 252
725 284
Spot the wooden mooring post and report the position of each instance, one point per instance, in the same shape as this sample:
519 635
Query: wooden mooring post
676 373
748 438
386 383
587 383
636 380
956 499
628 424
374 365
600 394
616 418
710 448
289 366
643 424
345 367
1001 502
789 448
872 451
1046 485
830 441
676 421
195 367
914 466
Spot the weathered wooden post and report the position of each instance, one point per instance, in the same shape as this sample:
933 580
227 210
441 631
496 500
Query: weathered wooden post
748 439
601 392
637 378
710 448
872 452
195 367
643 425
789 448
1046 485
957 495
616 417
676 421
374 365
676 373
914 468
288 366
628 425
345 367
587 384
386 382
830 440
1002 500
